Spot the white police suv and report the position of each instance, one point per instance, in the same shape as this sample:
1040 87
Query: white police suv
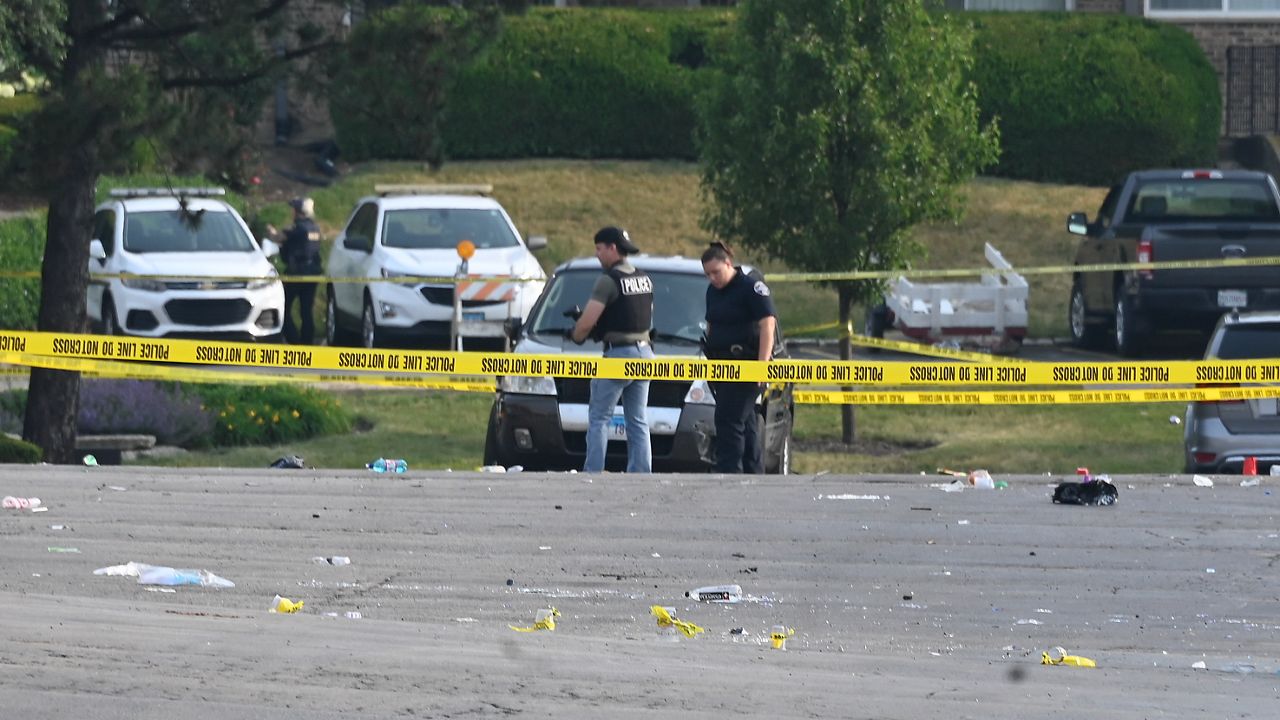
220 283
415 231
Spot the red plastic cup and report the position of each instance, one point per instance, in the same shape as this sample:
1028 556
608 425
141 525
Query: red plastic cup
1251 465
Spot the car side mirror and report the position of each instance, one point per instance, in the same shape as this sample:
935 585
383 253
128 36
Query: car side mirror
1078 223
536 242
270 248
356 242
95 250
512 327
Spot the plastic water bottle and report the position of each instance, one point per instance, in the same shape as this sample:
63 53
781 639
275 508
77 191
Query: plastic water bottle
382 465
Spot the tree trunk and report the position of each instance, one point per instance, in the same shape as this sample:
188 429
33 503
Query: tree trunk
847 423
53 396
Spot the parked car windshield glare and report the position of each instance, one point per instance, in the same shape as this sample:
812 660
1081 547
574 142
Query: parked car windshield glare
679 303
444 228
177 231
1187 201
1254 340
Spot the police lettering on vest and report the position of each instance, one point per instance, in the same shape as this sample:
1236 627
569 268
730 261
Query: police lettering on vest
631 312
301 249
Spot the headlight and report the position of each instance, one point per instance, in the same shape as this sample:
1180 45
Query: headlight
147 284
392 274
527 385
699 394
268 281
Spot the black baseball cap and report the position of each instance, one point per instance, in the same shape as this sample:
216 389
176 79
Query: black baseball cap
617 237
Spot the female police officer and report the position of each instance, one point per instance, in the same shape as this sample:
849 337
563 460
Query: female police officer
741 325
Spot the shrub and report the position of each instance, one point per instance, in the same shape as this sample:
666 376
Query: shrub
21 249
388 83
171 412
13 450
271 414
586 83
13 405
1085 98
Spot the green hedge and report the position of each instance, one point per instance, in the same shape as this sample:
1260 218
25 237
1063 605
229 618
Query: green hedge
13 450
1085 98
21 248
586 83
1080 97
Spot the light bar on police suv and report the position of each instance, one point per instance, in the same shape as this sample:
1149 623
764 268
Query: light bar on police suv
477 189
167 192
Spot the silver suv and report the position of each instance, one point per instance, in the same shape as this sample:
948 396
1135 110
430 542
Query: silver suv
1220 434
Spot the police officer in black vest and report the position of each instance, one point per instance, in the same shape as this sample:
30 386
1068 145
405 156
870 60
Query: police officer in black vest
301 254
741 325
619 314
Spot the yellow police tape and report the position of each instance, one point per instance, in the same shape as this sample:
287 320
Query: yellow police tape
846 276
800 372
1034 397
171 373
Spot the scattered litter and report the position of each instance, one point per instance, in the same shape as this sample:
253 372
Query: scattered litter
545 619
1202 481
1043 611
382 465
1199 665
1175 420
962 522
1210 570
544 547
1031 621
42 508
289 462
1095 490
716 594
1251 482
515 468
465 620
981 479
778 635
352 615
853 497
655 555
158 575
16 503
492 469
160 589
1064 659
737 631
117 488
285 605
64 550
91 461
57 527
335 560
951 487
668 623
1275 470
926 509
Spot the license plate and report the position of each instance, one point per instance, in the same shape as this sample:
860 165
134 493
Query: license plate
618 428
472 316
1233 298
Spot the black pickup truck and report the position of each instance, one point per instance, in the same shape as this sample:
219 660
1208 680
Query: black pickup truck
1168 215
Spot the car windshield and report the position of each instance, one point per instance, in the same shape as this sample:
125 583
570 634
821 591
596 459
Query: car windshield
679 303
1251 340
444 228
1190 200
178 231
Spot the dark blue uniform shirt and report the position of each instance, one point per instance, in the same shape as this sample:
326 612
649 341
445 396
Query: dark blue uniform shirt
734 313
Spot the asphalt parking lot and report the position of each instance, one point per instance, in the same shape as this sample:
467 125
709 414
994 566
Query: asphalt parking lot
906 601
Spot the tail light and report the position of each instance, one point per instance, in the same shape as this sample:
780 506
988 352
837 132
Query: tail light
1204 458
1219 385
1146 254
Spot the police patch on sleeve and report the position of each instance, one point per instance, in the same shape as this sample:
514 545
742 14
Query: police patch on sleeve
761 288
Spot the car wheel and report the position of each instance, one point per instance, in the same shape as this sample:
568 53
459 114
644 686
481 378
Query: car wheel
491 450
369 335
1128 339
334 333
1083 333
777 456
109 324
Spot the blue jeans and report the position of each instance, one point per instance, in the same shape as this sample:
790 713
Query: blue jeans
604 399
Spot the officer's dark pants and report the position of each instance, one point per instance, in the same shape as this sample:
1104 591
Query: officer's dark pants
738 448
305 294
